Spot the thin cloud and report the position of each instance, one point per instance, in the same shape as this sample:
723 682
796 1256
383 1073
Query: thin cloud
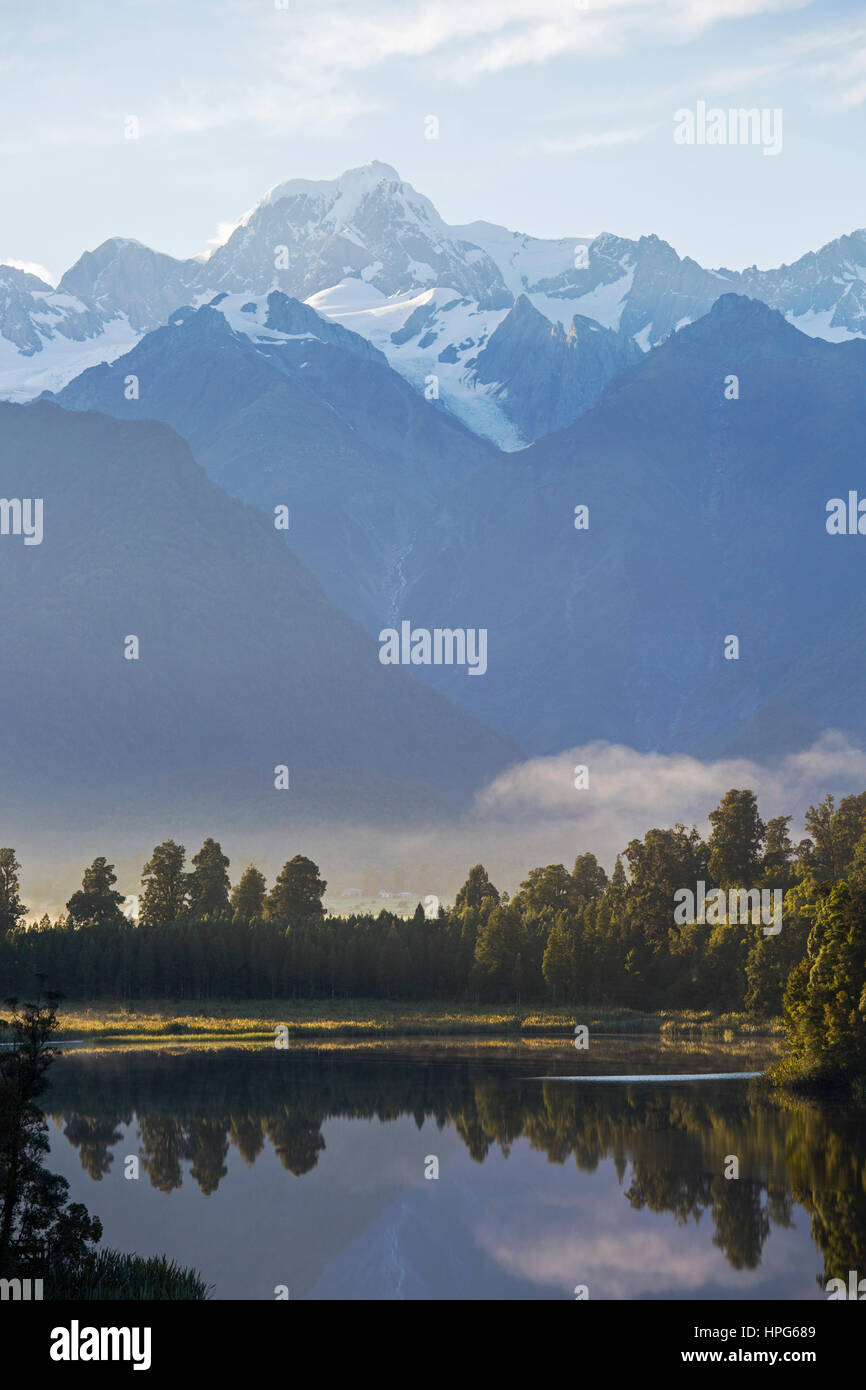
594 140
833 60
532 814
494 35
310 110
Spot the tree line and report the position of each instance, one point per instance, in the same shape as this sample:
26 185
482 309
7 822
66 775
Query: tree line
569 936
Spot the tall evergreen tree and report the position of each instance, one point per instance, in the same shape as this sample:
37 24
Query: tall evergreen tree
834 834
588 878
298 891
96 899
825 1001
618 880
550 887
476 888
660 864
208 885
498 962
849 824
778 854
248 896
11 907
164 885
558 963
735 843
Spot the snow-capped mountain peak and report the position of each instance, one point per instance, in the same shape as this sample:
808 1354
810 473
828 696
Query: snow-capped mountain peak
306 236
352 186
447 305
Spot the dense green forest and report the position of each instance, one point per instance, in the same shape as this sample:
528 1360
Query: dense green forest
566 935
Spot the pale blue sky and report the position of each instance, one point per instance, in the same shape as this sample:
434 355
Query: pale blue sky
556 118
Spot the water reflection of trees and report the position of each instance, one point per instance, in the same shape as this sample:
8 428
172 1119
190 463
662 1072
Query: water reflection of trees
668 1143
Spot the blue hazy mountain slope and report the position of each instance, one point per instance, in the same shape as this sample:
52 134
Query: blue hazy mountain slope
283 407
707 519
244 663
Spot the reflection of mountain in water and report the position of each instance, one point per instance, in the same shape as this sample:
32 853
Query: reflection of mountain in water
668 1141
418 1245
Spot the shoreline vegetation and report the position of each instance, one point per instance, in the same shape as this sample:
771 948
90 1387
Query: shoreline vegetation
44 1236
313 1019
657 955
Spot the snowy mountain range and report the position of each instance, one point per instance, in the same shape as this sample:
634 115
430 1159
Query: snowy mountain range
708 517
347 358
514 335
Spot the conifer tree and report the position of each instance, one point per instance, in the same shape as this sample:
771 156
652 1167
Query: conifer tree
96 899
165 885
208 885
298 891
11 907
248 896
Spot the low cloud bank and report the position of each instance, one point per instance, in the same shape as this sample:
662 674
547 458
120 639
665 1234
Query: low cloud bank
531 814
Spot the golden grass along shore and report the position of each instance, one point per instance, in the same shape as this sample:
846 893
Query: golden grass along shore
256 1020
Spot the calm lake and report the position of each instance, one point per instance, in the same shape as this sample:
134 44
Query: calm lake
305 1168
